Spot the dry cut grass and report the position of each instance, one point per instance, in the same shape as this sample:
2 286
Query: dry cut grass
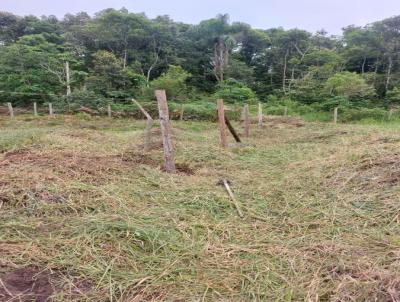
86 215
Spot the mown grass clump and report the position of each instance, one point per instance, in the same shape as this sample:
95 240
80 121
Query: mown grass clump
84 208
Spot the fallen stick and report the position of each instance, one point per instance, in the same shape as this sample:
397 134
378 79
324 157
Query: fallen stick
230 193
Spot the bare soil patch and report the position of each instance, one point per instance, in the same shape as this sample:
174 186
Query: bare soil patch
26 284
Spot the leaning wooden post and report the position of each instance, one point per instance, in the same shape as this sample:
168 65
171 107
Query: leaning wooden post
109 112
232 130
221 121
51 113
260 115
169 155
10 110
149 125
246 121
35 113
335 115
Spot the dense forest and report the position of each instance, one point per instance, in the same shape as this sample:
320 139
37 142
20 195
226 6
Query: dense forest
116 55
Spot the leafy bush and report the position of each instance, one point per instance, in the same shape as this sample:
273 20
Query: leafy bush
350 85
393 97
232 91
331 103
80 99
173 82
359 114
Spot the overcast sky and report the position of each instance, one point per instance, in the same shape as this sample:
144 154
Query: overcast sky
312 15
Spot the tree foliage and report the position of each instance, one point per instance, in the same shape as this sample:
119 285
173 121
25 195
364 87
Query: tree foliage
118 54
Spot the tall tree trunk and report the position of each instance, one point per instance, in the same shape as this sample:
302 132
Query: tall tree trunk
125 58
389 73
151 68
363 65
67 77
376 70
291 80
221 59
284 72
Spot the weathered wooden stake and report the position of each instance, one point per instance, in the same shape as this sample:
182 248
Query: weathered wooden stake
51 113
169 155
221 121
182 111
10 110
149 125
246 121
286 111
109 112
260 115
335 115
35 113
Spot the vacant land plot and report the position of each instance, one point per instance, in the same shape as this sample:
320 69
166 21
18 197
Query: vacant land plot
87 216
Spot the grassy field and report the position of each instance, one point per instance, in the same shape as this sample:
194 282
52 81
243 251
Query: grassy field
89 217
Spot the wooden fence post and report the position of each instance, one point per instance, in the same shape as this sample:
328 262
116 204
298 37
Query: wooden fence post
286 111
221 121
260 115
35 113
335 115
109 112
149 125
10 110
246 120
51 109
169 155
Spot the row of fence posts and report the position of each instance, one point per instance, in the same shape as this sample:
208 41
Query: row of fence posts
35 109
245 113
51 111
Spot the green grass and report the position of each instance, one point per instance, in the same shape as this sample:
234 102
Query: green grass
79 198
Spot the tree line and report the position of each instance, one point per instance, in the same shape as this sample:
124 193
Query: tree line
117 54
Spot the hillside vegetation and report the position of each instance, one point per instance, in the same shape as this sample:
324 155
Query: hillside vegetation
108 58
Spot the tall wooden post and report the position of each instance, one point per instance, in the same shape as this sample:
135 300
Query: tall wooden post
109 112
67 76
51 113
169 155
246 121
10 110
260 115
35 113
221 121
335 115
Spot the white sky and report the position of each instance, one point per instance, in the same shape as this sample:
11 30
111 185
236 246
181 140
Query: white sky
311 15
